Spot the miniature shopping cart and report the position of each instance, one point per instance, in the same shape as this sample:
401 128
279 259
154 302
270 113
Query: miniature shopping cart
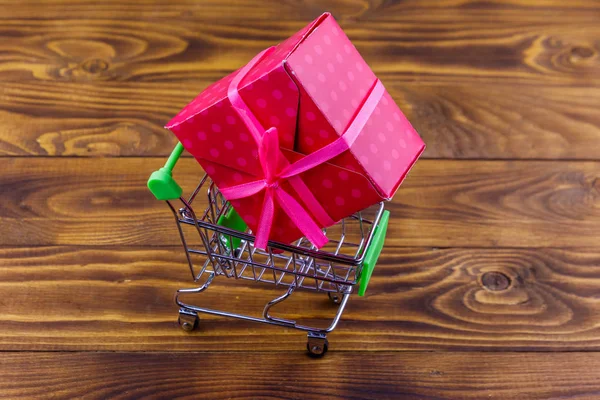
226 248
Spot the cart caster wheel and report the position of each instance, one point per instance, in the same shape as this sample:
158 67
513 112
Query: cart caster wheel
335 297
188 320
317 346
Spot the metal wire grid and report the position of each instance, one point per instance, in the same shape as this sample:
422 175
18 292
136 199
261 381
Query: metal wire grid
334 268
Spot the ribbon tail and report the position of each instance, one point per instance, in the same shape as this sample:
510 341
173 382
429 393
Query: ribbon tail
243 190
301 218
310 201
269 152
266 221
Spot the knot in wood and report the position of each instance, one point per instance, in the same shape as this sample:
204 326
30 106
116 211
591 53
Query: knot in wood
495 281
94 66
582 52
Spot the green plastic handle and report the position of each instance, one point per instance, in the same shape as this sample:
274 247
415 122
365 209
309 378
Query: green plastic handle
161 182
373 252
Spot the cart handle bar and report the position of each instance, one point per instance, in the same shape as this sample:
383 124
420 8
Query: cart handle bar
161 182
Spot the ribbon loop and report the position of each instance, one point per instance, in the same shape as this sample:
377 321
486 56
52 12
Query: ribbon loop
266 220
268 153
243 190
301 218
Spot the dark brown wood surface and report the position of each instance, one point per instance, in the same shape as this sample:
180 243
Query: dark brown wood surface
411 375
487 287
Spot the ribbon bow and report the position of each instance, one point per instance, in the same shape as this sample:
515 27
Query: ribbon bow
276 168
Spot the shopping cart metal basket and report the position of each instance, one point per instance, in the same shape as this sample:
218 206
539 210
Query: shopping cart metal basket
226 248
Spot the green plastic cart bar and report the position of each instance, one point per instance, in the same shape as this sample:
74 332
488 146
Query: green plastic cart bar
373 252
161 182
232 220
163 187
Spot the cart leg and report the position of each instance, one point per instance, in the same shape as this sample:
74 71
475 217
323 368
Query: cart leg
335 297
188 320
317 344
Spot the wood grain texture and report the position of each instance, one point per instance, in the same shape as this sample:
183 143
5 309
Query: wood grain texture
442 203
82 298
493 241
290 375
477 79
484 43
456 120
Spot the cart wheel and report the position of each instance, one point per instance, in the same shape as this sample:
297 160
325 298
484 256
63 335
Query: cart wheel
188 320
317 346
335 297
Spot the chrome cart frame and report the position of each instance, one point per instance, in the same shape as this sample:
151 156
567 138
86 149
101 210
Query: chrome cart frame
226 248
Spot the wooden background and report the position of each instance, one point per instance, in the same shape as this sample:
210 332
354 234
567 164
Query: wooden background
489 286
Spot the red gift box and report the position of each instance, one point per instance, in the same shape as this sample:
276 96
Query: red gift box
301 137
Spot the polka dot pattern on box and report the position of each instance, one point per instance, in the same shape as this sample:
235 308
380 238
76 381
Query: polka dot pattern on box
218 134
343 76
387 146
342 191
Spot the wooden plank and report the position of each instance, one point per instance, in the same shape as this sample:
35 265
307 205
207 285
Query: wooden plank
496 121
456 120
254 9
479 80
292 375
87 201
258 10
83 298
501 41
534 48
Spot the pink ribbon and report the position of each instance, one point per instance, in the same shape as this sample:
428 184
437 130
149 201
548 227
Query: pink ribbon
276 168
